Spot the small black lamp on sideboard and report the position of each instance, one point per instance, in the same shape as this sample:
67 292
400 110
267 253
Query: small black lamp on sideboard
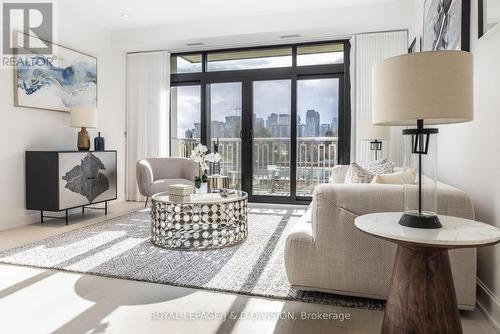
63 180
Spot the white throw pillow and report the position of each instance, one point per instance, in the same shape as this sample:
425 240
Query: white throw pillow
365 174
365 165
396 178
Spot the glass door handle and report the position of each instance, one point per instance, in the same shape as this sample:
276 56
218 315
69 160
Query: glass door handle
243 134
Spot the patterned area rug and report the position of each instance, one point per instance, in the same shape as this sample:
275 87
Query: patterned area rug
121 248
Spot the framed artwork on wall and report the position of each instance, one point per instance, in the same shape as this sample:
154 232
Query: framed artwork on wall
57 82
446 25
488 17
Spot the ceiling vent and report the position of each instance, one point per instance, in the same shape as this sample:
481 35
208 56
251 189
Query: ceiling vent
194 44
290 36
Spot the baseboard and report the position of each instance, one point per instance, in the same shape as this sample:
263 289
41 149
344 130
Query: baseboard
31 217
489 304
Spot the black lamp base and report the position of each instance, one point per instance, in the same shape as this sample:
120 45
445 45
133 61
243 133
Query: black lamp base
420 221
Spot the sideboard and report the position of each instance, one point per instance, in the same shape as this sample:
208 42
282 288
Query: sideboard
62 180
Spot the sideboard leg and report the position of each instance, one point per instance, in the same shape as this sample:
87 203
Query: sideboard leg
146 204
106 208
66 217
83 210
41 216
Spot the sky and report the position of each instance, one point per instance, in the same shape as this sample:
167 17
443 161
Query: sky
269 97
225 100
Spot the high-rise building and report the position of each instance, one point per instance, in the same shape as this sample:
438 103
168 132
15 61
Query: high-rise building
284 125
335 127
272 120
217 130
312 123
325 130
301 130
272 124
197 130
259 122
233 126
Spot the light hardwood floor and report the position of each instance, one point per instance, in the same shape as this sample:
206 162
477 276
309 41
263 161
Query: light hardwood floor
47 301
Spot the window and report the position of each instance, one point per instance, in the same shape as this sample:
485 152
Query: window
278 115
185 120
320 54
251 59
190 63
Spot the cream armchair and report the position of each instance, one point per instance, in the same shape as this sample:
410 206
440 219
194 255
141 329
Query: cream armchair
154 175
325 252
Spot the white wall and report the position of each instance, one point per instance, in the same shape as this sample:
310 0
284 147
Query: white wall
468 154
31 129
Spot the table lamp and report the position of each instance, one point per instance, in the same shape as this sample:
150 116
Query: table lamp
374 133
419 89
83 117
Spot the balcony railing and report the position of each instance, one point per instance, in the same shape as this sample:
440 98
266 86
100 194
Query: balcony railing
316 156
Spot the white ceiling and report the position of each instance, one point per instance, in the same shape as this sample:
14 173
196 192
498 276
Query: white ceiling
146 13
174 24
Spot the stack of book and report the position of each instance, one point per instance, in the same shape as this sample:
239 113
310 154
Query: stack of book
180 192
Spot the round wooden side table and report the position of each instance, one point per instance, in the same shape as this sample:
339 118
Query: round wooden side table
422 295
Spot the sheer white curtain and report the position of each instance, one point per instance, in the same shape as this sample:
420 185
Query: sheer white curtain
370 49
148 92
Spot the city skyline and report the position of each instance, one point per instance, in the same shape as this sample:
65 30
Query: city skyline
270 97
276 125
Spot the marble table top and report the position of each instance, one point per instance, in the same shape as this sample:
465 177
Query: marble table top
455 233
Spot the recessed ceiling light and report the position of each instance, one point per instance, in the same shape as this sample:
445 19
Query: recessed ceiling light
125 16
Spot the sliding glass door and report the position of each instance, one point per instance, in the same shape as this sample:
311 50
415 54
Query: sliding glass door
278 115
271 137
224 112
317 132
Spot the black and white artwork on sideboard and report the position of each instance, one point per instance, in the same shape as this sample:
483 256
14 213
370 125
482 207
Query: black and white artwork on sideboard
446 25
86 178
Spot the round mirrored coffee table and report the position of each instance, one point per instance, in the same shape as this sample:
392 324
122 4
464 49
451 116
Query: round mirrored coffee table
206 221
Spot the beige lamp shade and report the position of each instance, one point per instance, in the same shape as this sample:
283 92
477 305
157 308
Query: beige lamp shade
83 117
435 86
368 131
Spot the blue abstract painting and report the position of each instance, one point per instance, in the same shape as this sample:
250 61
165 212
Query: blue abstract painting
56 82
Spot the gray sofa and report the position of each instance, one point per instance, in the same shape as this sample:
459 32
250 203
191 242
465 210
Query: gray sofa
154 175
325 252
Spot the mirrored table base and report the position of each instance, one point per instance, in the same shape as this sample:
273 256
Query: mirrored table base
198 226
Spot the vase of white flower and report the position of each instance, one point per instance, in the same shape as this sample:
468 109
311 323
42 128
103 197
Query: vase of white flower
199 155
